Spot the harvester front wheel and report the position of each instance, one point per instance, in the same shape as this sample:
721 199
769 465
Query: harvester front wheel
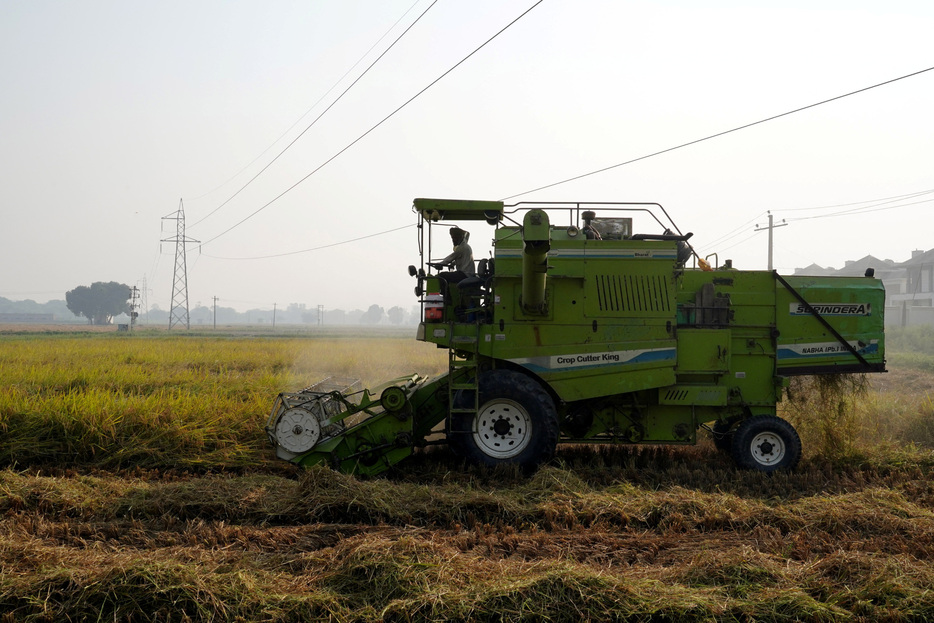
516 423
766 443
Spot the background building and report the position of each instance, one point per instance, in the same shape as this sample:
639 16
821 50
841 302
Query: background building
909 285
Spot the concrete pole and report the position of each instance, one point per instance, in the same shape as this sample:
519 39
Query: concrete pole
770 227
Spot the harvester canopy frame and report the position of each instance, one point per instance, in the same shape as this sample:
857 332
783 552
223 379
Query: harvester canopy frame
495 213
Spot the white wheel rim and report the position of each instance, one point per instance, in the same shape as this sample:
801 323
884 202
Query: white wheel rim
767 448
502 429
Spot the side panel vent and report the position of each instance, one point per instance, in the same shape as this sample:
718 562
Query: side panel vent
633 293
697 395
675 396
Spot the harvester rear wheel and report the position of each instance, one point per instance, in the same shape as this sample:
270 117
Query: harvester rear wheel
516 423
766 443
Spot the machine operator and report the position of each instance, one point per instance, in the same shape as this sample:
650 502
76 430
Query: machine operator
461 258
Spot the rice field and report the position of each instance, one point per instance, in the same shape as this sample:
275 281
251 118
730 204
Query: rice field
169 401
136 485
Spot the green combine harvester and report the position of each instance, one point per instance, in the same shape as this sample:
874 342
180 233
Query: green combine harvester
572 336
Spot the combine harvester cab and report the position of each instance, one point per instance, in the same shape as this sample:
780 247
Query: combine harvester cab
580 330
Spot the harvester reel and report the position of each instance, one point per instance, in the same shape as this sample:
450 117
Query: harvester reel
298 430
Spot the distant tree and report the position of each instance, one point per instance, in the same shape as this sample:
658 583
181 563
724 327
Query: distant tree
100 302
396 315
373 315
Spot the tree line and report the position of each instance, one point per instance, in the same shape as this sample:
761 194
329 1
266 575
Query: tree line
107 302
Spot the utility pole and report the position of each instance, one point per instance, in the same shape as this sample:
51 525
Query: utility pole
273 315
179 312
215 313
320 315
770 227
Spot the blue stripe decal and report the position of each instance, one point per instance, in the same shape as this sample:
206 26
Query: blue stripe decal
588 361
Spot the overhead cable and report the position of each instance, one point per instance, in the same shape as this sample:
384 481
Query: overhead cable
743 241
874 203
733 233
855 211
378 124
853 203
331 105
718 134
306 113
326 246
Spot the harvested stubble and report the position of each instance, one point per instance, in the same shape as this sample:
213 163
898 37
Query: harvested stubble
482 546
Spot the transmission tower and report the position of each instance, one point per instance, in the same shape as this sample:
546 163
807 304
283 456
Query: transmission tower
134 306
144 289
179 311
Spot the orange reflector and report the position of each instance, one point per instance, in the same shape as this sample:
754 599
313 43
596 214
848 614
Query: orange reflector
434 307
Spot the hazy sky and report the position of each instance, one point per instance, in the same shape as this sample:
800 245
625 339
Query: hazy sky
112 111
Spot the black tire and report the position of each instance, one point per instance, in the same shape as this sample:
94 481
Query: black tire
766 443
722 437
516 423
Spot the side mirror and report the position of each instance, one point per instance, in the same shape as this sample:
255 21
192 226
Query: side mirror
412 271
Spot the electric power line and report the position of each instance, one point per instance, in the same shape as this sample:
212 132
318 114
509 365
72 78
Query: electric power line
718 134
866 208
735 232
331 105
856 211
726 237
378 124
853 203
326 246
306 113
743 241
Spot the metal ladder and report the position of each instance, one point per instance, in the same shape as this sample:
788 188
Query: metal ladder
463 373
464 378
